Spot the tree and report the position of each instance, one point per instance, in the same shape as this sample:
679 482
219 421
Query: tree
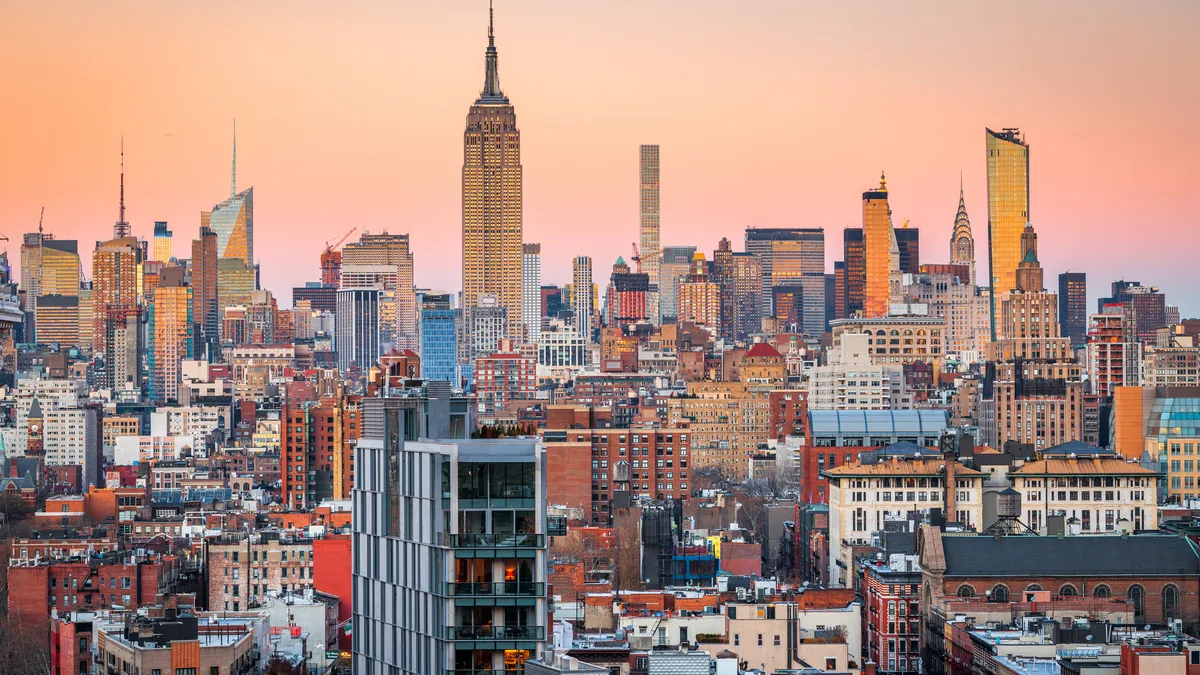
13 508
279 665
24 645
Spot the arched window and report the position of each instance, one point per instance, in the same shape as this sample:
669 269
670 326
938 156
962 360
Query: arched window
1137 595
1102 591
966 591
999 593
896 333
907 333
1067 590
881 332
1033 587
1170 600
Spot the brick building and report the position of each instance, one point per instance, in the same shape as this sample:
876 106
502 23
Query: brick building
241 570
89 583
648 462
317 455
789 413
71 638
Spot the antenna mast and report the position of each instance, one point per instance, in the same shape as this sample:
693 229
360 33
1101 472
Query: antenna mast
121 228
233 178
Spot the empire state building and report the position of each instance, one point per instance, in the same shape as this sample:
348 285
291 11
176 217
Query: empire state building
491 194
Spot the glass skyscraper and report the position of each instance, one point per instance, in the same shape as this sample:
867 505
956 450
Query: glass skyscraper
1008 209
439 339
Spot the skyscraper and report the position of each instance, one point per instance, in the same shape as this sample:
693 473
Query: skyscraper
962 242
1145 304
700 297
1072 306
877 243
171 330
48 267
793 257
581 296
163 249
357 326
854 285
650 248
391 251
625 300
204 291
531 291
1008 209
114 283
739 277
674 265
492 196
233 219
908 240
439 340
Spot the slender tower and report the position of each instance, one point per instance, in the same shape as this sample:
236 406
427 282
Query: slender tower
1008 209
121 228
878 241
650 248
491 194
962 243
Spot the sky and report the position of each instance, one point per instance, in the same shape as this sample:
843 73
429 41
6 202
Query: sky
768 113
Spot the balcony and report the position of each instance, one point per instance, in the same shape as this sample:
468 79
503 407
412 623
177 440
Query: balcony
556 526
494 540
496 589
535 633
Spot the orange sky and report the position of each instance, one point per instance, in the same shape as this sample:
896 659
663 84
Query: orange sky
768 113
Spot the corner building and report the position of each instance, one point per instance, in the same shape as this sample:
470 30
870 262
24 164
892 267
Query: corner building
449 558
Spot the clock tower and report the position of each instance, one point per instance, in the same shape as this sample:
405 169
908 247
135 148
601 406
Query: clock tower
35 445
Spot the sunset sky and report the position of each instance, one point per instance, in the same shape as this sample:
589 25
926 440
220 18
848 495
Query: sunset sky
767 113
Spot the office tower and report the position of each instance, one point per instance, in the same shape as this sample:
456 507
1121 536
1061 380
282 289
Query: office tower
531 291
831 294
86 316
235 283
625 303
205 309
649 246
1146 304
48 267
260 314
489 324
439 338
124 345
962 242
357 325
673 267
390 254
792 257
492 199
233 222
1008 209
322 297
480 586
739 278
171 331
948 293
114 282
700 297
57 318
163 250
1072 306
839 289
877 244
908 240
581 296
854 288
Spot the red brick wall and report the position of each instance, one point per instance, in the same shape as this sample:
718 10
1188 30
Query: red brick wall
28 592
331 574
789 413
569 475
1189 590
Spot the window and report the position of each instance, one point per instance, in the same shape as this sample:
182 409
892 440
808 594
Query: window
777 642
1067 590
1102 591
1137 595
737 640
966 591
1170 602
1000 593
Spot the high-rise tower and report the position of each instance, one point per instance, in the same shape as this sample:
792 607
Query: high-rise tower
962 243
233 219
877 241
650 248
531 291
491 198
162 242
581 295
1008 209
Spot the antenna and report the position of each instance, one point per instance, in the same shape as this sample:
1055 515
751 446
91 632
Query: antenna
122 215
233 178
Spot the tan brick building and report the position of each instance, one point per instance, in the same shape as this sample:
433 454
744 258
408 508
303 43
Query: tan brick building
240 571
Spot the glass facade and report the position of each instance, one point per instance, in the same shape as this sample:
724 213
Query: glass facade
1008 208
439 344
1175 424
233 221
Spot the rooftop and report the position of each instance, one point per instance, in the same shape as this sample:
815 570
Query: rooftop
1085 465
877 422
1142 555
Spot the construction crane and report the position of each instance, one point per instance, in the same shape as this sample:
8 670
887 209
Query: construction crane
331 260
637 258
346 236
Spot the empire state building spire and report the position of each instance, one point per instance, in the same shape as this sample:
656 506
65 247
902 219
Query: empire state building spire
491 78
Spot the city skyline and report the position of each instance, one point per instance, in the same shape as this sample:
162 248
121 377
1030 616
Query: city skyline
586 203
